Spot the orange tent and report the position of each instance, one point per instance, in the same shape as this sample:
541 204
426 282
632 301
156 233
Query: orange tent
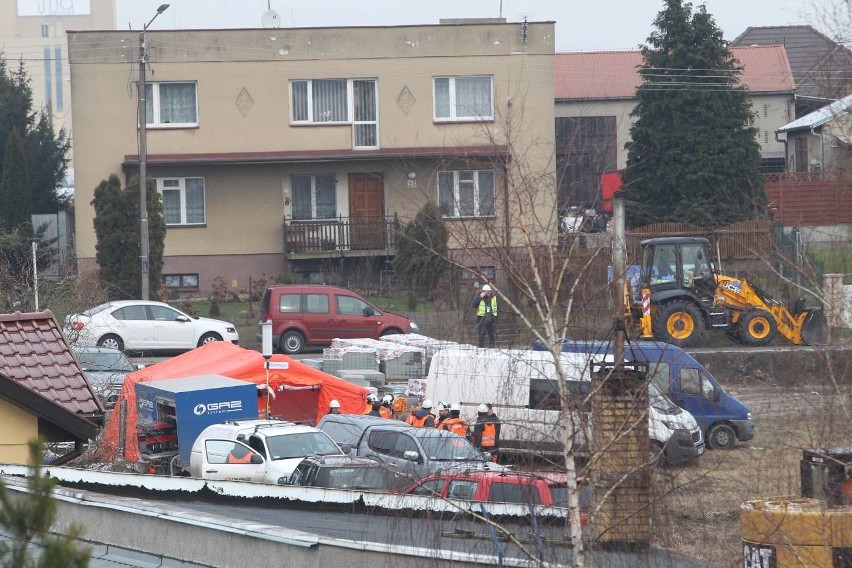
230 360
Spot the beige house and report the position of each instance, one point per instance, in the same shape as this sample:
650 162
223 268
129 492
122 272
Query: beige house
595 93
303 150
34 31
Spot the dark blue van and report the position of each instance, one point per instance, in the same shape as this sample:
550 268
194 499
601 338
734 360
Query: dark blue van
723 418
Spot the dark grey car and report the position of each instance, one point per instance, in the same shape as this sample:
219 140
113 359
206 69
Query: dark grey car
407 451
105 369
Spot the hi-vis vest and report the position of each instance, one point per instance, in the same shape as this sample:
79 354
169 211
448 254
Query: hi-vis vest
489 435
385 412
457 425
234 459
417 422
480 311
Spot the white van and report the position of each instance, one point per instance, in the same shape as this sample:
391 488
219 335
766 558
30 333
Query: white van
521 384
266 451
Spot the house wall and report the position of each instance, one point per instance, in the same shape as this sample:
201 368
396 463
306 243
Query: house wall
246 203
770 112
17 428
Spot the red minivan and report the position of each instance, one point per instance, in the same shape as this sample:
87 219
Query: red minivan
315 314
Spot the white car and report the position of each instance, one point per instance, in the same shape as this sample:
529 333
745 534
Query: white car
137 325
265 451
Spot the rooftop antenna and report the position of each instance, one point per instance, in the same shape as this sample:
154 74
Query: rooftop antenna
270 18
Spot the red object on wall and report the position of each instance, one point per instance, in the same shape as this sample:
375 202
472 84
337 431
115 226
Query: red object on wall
610 185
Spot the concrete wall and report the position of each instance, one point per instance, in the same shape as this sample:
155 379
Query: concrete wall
17 428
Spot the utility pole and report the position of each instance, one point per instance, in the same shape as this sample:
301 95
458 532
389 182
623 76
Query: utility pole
619 272
142 105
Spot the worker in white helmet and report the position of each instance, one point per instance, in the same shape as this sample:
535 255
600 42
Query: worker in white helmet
421 416
455 423
385 409
486 431
334 407
485 305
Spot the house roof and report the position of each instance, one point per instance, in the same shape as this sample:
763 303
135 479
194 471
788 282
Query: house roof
615 75
47 410
820 116
34 354
811 55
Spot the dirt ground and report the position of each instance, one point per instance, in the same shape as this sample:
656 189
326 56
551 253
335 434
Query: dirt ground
697 506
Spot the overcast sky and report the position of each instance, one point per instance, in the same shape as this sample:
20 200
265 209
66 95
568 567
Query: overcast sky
580 24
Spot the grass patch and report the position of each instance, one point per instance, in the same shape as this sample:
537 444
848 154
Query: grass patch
836 261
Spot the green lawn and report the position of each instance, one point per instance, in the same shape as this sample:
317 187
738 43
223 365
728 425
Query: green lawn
836 261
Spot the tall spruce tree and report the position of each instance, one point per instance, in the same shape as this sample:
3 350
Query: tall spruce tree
16 202
693 155
117 232
422 250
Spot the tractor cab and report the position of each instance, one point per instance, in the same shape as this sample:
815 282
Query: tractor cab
673 264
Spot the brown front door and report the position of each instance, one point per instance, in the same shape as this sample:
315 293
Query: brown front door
366 211
801 148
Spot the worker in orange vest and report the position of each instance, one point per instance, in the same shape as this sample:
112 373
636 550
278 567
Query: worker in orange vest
455 423
385 409
368 408
421 416
486 431
443 413
239 454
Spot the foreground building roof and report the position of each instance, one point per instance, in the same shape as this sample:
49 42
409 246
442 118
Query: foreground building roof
35 355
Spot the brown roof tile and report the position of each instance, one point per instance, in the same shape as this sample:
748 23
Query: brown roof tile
614 74
34 354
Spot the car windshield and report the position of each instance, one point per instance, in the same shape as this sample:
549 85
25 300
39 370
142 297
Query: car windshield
100 361
450 448
354 478
660 401
97 309
288 446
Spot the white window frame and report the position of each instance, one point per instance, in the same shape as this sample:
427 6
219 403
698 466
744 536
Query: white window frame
181 187
154 121
453 103
476 199
350 106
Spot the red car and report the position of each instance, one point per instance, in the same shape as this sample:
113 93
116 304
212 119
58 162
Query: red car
310 314
501 487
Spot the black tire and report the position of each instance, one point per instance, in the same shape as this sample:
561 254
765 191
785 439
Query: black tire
757 328
111 341
291 343
678 323
721 437
208 338
391 331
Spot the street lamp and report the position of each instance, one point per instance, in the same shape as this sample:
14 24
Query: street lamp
142 103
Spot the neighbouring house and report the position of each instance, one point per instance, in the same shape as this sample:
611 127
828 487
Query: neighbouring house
821 140
595 93
306 150
43 391
822 67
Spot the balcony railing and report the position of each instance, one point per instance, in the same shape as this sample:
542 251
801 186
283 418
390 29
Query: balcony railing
318 236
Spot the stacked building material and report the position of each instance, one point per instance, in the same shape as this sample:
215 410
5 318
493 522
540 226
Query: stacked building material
398 362
336 359
429 345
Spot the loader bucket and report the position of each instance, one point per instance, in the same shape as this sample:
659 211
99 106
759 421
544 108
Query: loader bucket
815 329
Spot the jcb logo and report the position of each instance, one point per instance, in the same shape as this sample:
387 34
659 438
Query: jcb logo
218 407
757 556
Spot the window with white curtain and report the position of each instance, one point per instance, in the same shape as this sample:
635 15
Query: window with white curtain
183 200
171 104
466 193
464 98
338 101
313 196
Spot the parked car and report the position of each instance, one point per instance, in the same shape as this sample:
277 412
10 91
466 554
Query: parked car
548 489
303 315
269 450
411 452
105 369
346 472
137 325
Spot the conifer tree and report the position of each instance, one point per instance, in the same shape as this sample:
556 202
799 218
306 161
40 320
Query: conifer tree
422 249
28 519
15 192
693 155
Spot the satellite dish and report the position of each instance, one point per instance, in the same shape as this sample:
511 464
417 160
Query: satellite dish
271 19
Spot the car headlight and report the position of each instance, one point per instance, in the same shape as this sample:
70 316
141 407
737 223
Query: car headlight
748 416
671 425
230 330
413 325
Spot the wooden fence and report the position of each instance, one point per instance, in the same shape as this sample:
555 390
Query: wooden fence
739 241
809 199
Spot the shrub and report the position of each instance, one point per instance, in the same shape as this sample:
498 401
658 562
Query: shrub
215 311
